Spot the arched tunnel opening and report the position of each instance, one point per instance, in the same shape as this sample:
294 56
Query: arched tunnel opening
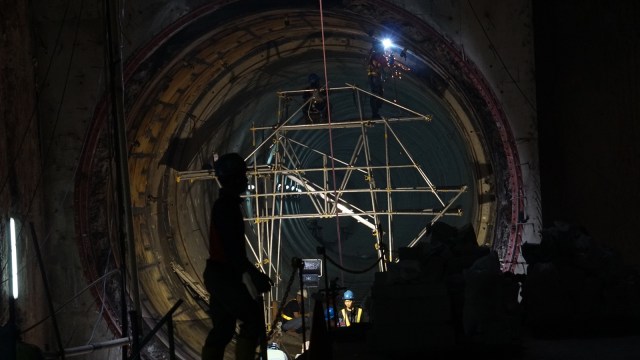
201 86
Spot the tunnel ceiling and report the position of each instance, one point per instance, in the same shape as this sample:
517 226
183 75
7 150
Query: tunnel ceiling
199 87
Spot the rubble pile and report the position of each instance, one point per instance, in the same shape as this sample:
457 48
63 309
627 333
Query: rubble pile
575 287
443 294
449 296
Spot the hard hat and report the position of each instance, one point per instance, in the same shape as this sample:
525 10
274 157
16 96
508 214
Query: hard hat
230 164
348 295
303 292
329 313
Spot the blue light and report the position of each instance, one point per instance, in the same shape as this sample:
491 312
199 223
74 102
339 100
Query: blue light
386 43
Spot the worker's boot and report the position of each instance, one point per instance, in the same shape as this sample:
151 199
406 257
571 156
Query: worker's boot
245 349
212 353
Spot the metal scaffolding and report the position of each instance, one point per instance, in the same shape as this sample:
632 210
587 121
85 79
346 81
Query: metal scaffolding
278 173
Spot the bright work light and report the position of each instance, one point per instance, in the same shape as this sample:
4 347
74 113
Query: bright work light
14 258
386 43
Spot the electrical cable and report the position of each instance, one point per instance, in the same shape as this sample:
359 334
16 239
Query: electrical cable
3 269
77 165
75 170
35 106
48 152
104 293
355 271
70 300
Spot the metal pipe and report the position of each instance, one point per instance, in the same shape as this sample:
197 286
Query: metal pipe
300 264
152 333
335 125
436 218
47 291
425 117
87 349
116 83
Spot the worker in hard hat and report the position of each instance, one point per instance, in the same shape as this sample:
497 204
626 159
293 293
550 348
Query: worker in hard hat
292 313
315 111
351 313
230 299
377 66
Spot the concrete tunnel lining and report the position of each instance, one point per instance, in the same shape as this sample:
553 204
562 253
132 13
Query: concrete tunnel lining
149 80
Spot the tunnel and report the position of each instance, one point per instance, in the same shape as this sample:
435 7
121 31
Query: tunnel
213 82
477 131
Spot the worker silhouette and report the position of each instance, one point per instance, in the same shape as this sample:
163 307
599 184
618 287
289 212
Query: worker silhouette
230 299
350 313
315 111
376 68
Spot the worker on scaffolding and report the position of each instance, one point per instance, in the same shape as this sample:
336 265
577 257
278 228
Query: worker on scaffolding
315 110
351 313
230 299
292 313
377 67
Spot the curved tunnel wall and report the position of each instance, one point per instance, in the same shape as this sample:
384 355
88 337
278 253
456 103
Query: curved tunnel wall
206 79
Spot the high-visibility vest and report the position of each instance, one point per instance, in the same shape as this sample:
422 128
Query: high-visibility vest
285 316
346 314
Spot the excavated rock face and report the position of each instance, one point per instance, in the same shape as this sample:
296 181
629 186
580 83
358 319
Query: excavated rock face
21 174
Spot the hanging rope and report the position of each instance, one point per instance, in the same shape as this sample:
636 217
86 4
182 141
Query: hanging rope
333 166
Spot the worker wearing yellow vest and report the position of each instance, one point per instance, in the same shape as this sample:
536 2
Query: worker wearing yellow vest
351 313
